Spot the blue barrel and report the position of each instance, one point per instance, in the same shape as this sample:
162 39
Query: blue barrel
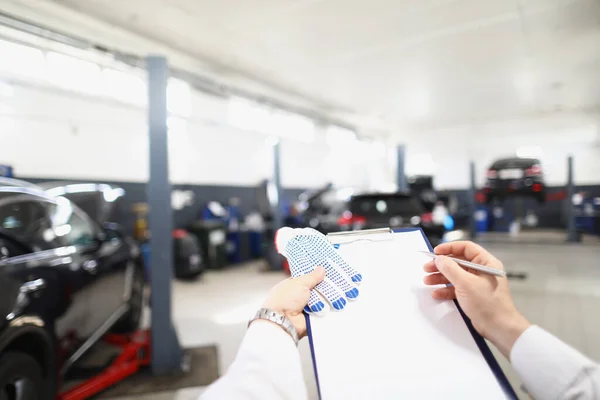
481 219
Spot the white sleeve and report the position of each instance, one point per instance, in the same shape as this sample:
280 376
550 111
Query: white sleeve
267 367
551 369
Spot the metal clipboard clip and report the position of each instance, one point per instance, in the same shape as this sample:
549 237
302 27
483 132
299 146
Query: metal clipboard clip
368 235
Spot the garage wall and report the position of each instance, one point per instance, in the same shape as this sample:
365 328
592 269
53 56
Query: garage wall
446 152
47 132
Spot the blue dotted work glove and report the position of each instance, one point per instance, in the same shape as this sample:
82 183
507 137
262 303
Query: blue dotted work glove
306 249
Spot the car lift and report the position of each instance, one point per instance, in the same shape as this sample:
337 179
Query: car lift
135 354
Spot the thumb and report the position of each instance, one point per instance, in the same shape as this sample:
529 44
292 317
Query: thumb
313 279
451 270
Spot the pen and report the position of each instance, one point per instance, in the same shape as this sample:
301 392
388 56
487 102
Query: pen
468 264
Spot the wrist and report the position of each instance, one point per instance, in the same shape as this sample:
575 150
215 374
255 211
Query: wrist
276 318
505 331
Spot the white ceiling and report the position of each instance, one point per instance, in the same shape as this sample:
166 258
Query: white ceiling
389 63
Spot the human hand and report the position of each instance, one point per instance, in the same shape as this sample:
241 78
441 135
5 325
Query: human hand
305 248
486 299
290 296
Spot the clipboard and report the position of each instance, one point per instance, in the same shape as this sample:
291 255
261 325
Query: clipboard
482 362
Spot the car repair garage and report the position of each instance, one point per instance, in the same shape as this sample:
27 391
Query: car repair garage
150 152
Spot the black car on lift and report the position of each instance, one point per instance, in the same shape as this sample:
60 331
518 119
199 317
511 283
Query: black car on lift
65 280
515 177
393 210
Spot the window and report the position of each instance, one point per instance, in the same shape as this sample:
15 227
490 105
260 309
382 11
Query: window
71 226
73 73
25 218
125 87
22 60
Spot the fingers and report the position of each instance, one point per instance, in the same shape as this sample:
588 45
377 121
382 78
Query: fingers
453 272
436 279
446 293
430 266
312 279
465 249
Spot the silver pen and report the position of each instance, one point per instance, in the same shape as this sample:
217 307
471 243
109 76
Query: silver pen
468 264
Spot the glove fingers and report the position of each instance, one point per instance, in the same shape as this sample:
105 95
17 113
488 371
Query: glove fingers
334 272
343 265
331 253
331 294
316 305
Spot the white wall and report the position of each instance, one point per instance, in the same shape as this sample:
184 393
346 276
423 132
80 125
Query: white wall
557 136
47 132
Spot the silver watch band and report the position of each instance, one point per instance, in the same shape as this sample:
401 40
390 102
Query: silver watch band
281 320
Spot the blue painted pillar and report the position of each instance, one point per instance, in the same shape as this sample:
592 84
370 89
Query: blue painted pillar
472 202
572 234
166 352
277 217
401 181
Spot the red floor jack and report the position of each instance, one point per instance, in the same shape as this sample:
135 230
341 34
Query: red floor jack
135 353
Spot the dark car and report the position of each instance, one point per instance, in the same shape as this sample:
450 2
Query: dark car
393 210
515 177
65 280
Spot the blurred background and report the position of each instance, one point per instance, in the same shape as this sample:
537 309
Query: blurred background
469 119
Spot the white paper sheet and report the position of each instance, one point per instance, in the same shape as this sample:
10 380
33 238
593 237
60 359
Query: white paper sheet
396 341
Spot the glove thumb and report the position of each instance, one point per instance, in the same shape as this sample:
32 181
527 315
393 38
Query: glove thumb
451 270
312 279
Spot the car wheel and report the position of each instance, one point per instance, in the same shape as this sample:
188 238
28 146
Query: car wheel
131 320
20 377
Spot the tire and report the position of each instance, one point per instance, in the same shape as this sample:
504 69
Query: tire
130 322
21 377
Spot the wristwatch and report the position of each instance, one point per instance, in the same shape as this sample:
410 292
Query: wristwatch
281 320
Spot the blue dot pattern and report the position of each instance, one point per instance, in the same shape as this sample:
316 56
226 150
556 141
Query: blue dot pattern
310 248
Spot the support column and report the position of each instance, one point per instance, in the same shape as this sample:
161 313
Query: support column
277 217
166 352
472 202
401 181
572 234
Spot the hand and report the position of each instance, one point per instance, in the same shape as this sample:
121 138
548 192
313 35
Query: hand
305 248
484 298
290 296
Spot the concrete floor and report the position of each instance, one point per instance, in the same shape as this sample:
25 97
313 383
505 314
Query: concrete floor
561 294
